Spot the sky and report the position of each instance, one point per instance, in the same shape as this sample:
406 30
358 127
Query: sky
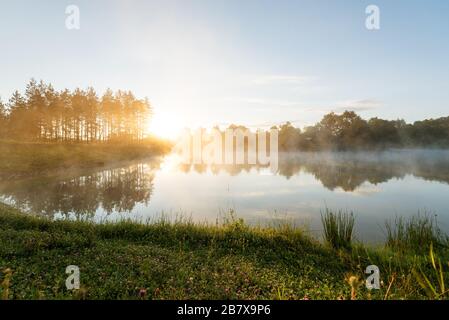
252 62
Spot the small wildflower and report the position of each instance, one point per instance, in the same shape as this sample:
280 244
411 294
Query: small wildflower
142 293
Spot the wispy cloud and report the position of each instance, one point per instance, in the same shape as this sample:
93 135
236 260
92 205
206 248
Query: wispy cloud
358 105
281 80
262 102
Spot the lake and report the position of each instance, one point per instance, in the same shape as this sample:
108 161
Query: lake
376 186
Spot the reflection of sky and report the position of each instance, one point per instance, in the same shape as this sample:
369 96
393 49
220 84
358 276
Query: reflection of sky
263 198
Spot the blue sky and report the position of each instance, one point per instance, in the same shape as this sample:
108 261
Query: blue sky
255 62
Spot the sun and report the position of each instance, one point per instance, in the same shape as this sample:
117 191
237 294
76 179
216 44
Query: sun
165 126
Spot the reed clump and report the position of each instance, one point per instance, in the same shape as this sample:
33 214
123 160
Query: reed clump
338 228
416 233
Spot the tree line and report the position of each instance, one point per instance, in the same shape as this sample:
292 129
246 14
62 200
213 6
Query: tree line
349 131
42 113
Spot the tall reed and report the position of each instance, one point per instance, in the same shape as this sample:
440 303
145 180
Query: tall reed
338 228
416 233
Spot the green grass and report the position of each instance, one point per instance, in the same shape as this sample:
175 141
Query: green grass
183 260
415 234
28 158
435 288
338 228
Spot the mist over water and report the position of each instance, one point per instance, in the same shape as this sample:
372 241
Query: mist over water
374 185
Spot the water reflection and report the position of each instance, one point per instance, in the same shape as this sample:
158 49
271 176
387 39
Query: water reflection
112 190
121 189
349 170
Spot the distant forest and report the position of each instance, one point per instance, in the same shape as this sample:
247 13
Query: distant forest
349 131
45 114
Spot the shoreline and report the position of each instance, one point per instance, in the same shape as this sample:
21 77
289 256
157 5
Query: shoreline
184 260
28 159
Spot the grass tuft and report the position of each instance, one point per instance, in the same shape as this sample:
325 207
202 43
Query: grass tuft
416 233
338 228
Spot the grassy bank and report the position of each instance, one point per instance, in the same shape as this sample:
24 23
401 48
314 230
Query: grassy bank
28 158
182 260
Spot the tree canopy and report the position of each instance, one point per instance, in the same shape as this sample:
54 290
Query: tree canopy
349 131
43 113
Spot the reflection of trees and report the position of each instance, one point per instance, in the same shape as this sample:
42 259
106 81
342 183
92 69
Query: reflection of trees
120 189
342 170
114 190
232 170
349 170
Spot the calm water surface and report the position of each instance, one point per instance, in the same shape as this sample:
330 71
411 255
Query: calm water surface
375 186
